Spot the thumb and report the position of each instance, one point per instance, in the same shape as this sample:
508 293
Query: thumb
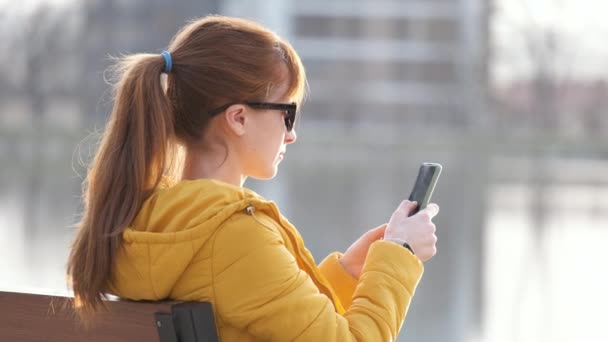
408 207
433 209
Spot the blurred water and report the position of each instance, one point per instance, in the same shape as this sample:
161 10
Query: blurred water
549 289
498 275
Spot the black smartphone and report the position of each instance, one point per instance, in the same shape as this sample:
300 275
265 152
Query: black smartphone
428 174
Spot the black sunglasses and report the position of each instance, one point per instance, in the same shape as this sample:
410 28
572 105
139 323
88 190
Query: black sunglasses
290 110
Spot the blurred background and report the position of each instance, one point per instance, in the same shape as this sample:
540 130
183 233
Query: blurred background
510 96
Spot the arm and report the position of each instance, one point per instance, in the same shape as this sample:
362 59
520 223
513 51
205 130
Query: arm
344 270
259 287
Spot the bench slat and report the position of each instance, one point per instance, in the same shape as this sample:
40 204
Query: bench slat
40 318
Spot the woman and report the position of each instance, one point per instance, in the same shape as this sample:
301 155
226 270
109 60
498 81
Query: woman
156 226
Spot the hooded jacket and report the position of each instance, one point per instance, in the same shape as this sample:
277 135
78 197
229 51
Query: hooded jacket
205 240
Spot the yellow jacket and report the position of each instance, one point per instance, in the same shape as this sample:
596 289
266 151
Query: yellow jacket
205 240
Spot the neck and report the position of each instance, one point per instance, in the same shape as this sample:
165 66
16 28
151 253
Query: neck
198 165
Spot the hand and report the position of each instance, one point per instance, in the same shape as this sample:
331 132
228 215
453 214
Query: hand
354 257
417 230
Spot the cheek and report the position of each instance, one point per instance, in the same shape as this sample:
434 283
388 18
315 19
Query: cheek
274 134
265 143
262 147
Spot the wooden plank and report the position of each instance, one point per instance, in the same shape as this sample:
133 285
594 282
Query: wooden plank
29 317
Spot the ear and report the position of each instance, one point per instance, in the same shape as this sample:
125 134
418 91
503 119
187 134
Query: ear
235 117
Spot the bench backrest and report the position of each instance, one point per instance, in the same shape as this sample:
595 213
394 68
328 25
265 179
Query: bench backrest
28 317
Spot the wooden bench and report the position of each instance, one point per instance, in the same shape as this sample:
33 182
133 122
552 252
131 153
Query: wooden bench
37 317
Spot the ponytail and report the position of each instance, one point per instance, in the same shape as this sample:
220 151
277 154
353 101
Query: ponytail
135 151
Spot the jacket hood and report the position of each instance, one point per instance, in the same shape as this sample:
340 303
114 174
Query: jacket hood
171 226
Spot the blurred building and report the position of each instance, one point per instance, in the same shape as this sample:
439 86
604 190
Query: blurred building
414 64
409 65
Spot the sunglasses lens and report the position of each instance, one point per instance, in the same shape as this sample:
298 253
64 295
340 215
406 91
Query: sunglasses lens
289 119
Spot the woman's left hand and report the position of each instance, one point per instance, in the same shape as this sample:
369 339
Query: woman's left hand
354 257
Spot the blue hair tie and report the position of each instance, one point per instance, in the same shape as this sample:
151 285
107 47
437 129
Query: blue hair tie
168 61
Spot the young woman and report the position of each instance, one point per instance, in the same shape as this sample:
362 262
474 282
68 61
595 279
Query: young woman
156 226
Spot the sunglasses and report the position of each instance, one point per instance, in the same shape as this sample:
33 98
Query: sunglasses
290 110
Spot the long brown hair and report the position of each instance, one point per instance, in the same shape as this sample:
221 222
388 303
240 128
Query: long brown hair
216 60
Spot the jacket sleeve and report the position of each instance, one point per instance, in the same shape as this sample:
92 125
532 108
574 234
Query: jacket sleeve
259 287
342 282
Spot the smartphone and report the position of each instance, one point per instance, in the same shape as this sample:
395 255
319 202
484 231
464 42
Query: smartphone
428 174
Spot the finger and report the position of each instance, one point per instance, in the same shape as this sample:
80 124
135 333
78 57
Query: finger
378 232
408 206
432 210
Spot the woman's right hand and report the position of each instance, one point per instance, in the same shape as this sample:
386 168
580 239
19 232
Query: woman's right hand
417 230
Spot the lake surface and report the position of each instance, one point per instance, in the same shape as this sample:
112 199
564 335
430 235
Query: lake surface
503 272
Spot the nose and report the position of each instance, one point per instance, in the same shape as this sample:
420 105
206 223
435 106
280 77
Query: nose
291 137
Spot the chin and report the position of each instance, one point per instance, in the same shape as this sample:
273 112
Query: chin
266 174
